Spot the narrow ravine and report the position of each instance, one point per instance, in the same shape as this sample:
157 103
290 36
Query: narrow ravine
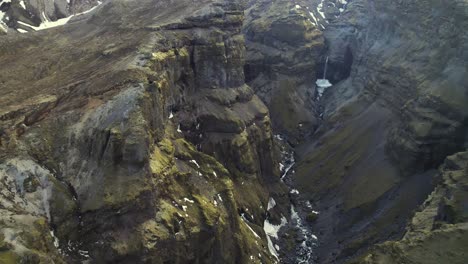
304 239
301 210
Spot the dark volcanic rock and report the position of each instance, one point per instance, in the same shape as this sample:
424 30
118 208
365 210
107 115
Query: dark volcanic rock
438 232
283 48
398 109
134 139
140 132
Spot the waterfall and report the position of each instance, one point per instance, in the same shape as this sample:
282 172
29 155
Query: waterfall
323 83
325 70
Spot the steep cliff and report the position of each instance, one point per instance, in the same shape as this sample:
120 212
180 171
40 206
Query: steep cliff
397 109
134 141
284 44
140 131
438 231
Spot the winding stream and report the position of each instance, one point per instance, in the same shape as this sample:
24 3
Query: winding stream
305 240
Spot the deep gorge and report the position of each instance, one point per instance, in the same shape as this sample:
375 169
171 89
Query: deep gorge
194 132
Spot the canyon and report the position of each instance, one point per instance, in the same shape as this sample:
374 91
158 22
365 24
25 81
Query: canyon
196 131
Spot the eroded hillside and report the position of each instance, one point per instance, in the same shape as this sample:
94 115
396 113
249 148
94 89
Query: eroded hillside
194 131
130 136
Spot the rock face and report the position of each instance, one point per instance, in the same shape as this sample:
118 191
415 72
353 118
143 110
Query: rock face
140 131
438 232
136 141
283 47
397 110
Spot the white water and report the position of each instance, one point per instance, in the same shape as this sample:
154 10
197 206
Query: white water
304 250
289 161
324 83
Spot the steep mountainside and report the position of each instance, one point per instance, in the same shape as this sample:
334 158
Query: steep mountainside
135 141
284 44
438 233
151 131
397 109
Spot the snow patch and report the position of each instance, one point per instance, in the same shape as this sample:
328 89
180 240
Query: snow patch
195 162
286 171
46 23
84 253
271 231
271 203
320 10
56 241
246 222
279 137
3 26
313 17
294 191
188 200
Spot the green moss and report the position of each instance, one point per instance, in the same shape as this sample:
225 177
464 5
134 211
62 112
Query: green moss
161 55
246 162
166 146
166 215
123 190
282 106
183 149
9 257
160 162
350 150
330 161
210 213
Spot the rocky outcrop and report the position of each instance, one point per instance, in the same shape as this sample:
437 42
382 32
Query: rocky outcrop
438 231
284 44
140 131
136 141
397 109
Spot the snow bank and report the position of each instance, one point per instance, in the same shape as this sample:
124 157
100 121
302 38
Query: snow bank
46 23
271 231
